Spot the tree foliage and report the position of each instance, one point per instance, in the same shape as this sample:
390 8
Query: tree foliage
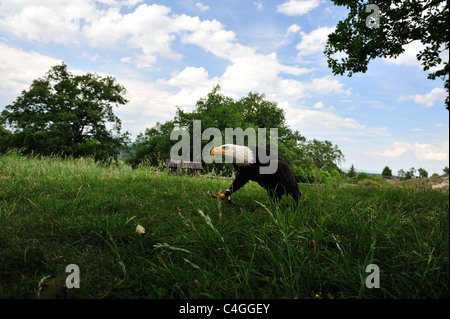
152 146
387 172
351 172
323 154
68 114
5 139
252 111
406 175
400 23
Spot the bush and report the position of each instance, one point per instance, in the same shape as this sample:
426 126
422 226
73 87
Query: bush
305 174
310 175
333 177
5 139
370 183
362 176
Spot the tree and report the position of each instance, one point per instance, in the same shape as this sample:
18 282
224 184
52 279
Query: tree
68 114
251 111
401 174
323 154
445 170
351 172
362 176
5 139
152 146
411 173
385 29
387 172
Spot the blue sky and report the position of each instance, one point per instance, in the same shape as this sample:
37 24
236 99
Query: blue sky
171 53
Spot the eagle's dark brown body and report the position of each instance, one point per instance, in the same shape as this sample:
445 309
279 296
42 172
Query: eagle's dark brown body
280 182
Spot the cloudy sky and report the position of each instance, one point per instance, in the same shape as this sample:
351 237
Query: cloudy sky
171 53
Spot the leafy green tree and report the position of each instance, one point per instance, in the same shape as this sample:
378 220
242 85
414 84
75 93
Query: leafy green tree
362 176
5 139
252 111
351 172
445 170
323 154
68 114
216 110
401 174
411 173
153 146
385 30
424 173
387 172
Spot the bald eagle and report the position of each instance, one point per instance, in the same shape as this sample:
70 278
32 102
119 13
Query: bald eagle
250 165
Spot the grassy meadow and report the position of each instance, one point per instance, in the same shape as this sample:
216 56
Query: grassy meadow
56 212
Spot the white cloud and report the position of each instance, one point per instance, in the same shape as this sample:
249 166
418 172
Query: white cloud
257 72
259 6
193 83
437 94
133 28
48 20
398 150
189 77
327 120
320 121
201 6
211 36
318 105
314 41
430 152
297 7
149 31
131 3
126 59
426 152
409 56
293 29
146 99
327 85
18 68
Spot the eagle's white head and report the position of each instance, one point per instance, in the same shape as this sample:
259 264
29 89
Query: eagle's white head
238 154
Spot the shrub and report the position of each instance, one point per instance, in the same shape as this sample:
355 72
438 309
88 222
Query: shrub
362 176
370 183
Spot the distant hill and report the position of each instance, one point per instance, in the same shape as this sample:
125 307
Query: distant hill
368 172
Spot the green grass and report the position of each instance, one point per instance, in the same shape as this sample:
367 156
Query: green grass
56 212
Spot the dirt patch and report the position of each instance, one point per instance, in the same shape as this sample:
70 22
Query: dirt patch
443 184
436 182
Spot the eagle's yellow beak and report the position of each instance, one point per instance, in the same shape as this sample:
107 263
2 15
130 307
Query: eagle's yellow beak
217 150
